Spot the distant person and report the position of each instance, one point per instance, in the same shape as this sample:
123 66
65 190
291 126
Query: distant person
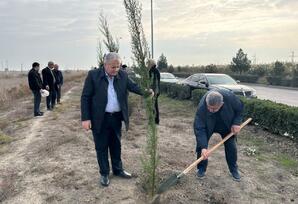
35 84
59 82
49 82
103 108
124 67
154 76
221 112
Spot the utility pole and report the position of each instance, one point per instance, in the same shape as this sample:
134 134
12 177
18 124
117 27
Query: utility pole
254 59
152 48
6 63
293 57
2 65
21 68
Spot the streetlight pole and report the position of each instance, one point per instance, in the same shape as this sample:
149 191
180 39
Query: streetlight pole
152 50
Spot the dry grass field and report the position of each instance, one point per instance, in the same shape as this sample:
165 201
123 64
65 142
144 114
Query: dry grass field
52 160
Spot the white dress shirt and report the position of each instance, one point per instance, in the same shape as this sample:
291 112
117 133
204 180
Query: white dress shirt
113 103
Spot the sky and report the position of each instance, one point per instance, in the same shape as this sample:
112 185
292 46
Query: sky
188 32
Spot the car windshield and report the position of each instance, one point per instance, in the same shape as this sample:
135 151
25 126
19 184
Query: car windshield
220 79
167 76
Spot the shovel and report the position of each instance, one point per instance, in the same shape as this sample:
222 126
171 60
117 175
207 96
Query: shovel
172 180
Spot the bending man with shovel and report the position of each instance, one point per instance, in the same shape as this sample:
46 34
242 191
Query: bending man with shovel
219 111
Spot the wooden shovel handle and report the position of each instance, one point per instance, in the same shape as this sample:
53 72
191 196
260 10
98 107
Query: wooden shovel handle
213 148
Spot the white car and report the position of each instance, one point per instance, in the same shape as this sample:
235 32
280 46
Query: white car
168 77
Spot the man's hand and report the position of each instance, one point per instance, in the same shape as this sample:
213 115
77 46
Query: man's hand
47 87
235 129
205 153
86 124
151 92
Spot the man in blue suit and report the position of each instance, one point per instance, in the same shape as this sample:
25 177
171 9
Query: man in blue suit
219 111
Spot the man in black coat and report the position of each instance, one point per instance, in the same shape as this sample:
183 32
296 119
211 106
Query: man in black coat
219 111
49 82
154 76
103 108
35 84
59 82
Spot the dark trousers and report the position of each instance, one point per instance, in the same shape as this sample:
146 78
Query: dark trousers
51 99
156 109
230 152
109 139
36 100
58 91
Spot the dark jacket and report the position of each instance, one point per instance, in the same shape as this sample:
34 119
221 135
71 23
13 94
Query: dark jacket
59 77
34 80
48 78
154 76
231 113
95 97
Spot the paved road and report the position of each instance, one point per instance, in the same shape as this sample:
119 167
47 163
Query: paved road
280 95
285 95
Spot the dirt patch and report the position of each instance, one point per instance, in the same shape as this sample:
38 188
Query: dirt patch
54 161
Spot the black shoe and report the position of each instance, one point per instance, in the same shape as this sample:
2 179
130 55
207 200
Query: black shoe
104 181
42 113
38 114
49 109
200 173
236 176
124 174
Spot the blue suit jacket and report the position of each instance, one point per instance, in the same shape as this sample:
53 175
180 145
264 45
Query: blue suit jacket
204 124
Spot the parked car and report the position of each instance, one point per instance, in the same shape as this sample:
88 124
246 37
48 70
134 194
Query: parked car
211 81
131 74
168 77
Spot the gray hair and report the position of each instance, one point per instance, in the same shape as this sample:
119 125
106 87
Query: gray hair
50 63
214 98
111 56
151 63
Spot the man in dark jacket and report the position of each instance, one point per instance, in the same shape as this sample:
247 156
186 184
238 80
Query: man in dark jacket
59 82
35 84
154 76
103 107
221 112
49 82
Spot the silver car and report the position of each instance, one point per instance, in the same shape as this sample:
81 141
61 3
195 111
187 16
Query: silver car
168 77
211 81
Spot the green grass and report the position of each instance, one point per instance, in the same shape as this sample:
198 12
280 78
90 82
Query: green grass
4 139
287 162
182 106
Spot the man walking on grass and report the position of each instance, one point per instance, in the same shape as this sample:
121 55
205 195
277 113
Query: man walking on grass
35 84
221 112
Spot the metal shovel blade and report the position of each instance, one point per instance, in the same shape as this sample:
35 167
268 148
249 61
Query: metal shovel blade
168 183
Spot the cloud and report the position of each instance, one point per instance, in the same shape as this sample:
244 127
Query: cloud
188 31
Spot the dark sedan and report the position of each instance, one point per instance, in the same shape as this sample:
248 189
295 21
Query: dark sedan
218 81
